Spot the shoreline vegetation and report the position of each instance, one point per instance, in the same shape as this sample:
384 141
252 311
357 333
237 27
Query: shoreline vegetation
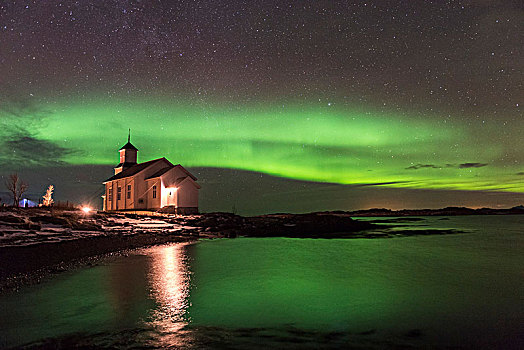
35 242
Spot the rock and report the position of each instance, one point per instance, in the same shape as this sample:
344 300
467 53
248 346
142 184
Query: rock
86 226
232 234
55 220
30 226
12 219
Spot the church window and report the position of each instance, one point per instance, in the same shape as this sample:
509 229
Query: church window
110 194
154 191
128 191
118 193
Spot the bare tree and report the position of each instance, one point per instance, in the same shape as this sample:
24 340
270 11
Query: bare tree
16 187
48 196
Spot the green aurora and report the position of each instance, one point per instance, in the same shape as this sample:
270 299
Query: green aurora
403 104
316 142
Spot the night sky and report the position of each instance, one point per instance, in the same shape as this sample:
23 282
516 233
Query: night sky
307 105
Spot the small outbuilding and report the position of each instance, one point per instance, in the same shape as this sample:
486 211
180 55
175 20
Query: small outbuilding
153 185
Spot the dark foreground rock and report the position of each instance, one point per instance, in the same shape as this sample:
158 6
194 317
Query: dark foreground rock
305 226
315 225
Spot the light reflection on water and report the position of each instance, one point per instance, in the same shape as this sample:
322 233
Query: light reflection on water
169 279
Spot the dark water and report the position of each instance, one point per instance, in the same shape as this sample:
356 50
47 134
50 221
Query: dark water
463 290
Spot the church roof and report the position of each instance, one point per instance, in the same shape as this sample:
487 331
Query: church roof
188 178
165 170
160 173
128 145
125 165
180 179
187 172
135 169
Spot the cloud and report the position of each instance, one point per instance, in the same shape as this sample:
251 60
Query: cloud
472 165
21 147
435 166
381 183
25 150
420 166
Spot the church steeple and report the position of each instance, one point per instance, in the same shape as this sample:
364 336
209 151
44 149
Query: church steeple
128 155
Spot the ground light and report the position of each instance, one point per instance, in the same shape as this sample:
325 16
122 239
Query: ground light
86 210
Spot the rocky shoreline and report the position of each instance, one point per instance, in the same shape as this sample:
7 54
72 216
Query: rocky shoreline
36 241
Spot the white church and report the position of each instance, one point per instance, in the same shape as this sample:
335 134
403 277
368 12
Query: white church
156 184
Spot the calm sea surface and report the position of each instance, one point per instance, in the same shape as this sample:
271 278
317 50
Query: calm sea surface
463 290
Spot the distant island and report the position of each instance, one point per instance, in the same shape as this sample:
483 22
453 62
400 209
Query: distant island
448 211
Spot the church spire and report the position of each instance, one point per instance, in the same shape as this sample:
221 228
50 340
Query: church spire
128 155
